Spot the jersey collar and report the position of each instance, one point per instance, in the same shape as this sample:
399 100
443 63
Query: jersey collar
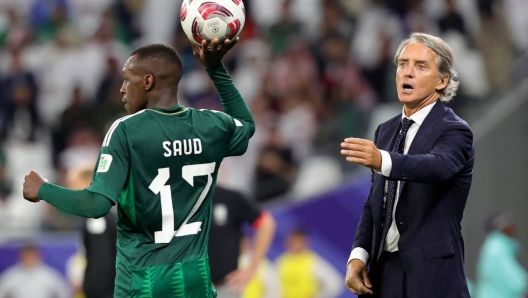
172 110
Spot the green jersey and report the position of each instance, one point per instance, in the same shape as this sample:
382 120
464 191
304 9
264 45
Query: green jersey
160 167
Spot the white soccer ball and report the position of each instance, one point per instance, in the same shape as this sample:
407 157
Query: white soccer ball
210 19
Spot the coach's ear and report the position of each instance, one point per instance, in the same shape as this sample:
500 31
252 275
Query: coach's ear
148 82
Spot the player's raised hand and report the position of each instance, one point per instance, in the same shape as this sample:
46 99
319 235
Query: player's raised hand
211 53
32 184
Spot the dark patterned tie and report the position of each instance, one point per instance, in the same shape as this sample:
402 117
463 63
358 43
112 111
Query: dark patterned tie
391 189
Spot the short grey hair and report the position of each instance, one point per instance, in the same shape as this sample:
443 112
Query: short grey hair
444 60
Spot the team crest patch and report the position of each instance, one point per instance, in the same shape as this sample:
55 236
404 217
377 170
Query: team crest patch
104 163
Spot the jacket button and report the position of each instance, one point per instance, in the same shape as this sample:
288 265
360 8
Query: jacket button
401 222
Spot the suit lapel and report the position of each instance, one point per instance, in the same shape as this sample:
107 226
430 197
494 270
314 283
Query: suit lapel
387 139
427 128
425 131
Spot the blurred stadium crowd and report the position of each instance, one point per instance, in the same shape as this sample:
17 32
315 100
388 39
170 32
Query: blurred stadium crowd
312 71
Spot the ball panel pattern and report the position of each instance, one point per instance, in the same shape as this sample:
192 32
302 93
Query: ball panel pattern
209 19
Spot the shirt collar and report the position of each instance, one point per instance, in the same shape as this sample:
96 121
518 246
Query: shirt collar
419 116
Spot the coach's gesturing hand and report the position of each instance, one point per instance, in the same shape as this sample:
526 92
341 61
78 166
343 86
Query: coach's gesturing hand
363 152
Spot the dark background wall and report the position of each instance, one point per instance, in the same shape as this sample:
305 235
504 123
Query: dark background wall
500 172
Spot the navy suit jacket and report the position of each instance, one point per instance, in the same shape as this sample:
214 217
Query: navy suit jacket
435 180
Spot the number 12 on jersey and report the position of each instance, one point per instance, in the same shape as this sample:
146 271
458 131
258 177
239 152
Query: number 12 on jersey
158 186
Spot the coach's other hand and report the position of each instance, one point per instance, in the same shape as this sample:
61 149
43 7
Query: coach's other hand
357 280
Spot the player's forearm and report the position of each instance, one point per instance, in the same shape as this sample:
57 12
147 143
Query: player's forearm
78 202
263 238
232 102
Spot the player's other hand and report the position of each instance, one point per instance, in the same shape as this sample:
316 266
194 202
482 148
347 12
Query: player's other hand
32 184
357 280
211 53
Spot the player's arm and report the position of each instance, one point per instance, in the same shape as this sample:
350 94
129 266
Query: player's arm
78 202
210 55
265 230
232 102
265 227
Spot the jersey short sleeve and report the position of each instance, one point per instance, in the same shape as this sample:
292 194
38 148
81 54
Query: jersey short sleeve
241 133
111 170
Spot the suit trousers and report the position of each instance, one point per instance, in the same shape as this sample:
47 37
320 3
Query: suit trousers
388 278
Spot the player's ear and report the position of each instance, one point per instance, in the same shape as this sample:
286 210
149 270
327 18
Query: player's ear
148 82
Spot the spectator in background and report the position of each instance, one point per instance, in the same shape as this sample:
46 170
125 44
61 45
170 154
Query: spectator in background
109 105
416 20
284 31
99 238
16 32
452 20
495 44
230 211
240 173
104 45
127 14
349 97
205 96
275 170
57 74
335 20
376 35
499 273
74 133
48 17
18 95
5 183
30 278
303 273
265 283
299 95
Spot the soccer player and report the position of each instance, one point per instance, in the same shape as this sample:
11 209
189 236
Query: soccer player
231 210
159 165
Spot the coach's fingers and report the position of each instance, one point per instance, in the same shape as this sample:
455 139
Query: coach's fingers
358 141
362 289
366 280
353 147
357 284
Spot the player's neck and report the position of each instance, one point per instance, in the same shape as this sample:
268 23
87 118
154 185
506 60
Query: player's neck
163 101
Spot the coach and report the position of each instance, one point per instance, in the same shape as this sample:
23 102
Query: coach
422 161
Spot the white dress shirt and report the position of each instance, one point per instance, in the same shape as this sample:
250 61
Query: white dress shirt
393 235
